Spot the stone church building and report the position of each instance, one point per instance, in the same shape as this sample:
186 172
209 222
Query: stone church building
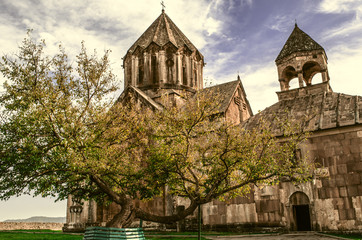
164 61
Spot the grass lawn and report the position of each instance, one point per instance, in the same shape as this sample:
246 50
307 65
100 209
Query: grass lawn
38 235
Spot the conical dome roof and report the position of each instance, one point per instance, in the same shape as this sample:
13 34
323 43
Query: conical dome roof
298 41
161 32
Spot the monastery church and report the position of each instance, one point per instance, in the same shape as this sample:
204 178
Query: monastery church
164 61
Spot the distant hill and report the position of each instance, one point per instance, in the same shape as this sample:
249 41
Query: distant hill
39 219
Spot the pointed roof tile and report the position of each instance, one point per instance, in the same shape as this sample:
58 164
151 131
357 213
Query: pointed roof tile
298 41
161 32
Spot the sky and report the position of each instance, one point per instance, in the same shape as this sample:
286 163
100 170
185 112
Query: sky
235 36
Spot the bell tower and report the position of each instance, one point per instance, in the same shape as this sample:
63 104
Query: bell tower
301 57
163 58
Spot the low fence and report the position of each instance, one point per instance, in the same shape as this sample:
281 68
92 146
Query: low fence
30 225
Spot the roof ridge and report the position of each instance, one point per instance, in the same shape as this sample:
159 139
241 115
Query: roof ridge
221 84
154 38
169 32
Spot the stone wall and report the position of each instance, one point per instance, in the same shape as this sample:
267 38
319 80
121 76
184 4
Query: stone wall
338 197
30 226
333 201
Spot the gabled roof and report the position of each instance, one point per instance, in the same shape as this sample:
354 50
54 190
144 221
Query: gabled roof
140 96
298 41
161 32
226 91
325 110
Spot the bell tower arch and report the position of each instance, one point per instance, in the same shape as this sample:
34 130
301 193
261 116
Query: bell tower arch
302 58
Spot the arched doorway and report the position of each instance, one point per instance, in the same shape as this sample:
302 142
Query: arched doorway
301 211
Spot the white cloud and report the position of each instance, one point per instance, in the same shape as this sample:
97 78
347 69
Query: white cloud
345 57
344 65
279 23
261 83
212 26
339 6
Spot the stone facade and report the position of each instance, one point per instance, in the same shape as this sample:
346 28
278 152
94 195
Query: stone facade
163 61
331 203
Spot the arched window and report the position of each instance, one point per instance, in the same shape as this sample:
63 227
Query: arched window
184 72
288 74
140 70
154 68
169 64
309 70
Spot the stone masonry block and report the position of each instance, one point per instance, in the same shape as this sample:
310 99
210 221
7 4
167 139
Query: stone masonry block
355 148
350 167
322 193
358 167
257 206
332 192
342 168
338 203
325 182
356 141
340 136
340 180
343 192
267 206
260 217
335 192
351 214
352 179
351 135
333 169
352 191
222 219
332 182
342 214
213 219
328 192
347 203
357 156
359 189
222 209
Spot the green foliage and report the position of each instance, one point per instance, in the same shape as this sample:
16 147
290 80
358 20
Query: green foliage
52 117
203 157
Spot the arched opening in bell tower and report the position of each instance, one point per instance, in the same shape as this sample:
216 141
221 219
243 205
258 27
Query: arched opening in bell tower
310 69
289 73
